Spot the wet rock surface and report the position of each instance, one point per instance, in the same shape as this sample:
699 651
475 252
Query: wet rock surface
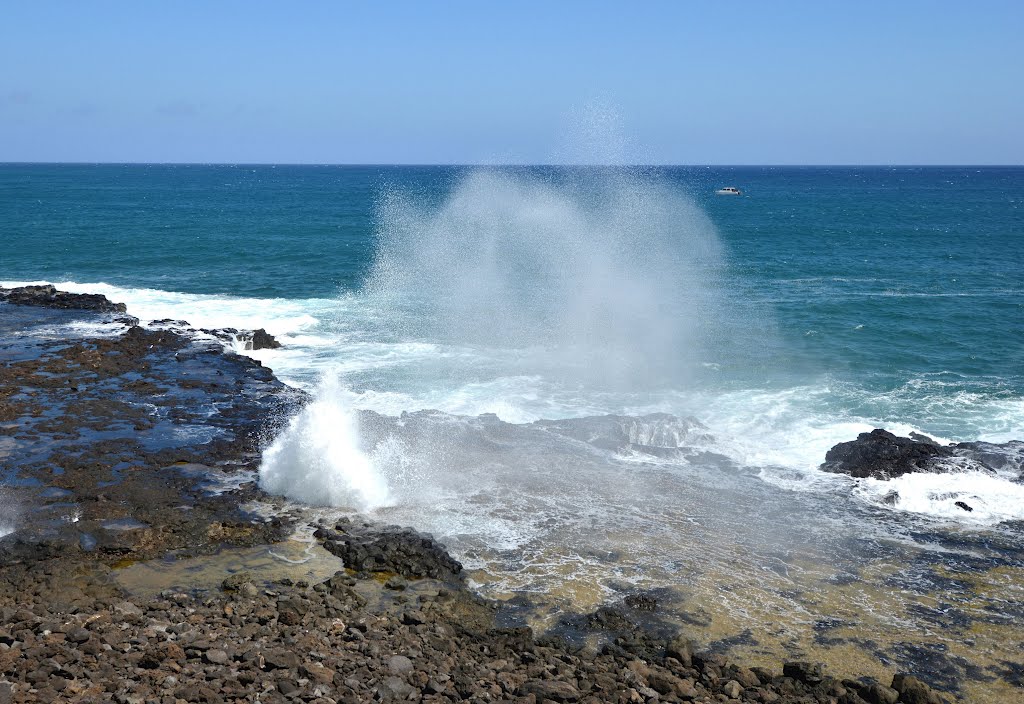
132 442
47 296
402 551
883 455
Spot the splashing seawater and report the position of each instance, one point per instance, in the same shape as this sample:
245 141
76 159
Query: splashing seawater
594 281
317 459
611 273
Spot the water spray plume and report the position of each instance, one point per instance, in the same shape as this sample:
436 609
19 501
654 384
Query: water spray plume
597 278
611 273
318 459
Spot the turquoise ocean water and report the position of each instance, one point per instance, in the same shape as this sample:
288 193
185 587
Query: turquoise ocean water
903 283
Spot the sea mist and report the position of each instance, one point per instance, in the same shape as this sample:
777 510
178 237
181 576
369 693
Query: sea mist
601 280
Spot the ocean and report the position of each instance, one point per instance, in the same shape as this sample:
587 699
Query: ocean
588 381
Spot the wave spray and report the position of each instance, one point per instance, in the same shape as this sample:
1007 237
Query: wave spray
599 280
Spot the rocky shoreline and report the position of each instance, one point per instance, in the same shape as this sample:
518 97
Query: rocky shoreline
135 443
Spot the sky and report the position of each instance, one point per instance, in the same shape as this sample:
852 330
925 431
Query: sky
680 82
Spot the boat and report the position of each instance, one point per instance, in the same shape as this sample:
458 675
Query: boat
728 191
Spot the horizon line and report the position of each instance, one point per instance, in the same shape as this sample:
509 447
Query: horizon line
485 165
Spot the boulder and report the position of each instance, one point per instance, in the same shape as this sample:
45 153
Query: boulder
882 455
913 690
807 672
259 340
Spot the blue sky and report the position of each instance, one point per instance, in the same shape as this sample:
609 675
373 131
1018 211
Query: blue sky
731 82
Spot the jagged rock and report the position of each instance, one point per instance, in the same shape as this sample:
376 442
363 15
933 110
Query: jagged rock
403 551
280 659
258 340
882 455
47 296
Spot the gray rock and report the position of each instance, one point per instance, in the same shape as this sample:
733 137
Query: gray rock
395 689
732 689
216 656
876 693
78 635
399 665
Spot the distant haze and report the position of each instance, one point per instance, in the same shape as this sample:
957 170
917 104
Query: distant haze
469 82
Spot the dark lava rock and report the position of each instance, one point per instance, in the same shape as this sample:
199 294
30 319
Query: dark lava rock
641 602
403 551
882 455
280 659
259 340
47 296
808 672
998 456
961 504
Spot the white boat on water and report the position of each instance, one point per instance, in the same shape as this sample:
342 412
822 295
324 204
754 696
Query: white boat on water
728 191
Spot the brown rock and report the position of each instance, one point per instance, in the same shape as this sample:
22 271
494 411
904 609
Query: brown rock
913 690
551 689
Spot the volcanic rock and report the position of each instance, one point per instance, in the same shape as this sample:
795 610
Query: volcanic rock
402 551
47 296
259 340
882 455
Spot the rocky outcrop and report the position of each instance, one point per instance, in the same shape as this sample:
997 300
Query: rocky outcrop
108 437
882 455
47 296
261 340
402 551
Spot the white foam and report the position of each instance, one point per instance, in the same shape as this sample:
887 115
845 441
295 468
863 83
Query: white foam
993 498
8 514
296 323
318 460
